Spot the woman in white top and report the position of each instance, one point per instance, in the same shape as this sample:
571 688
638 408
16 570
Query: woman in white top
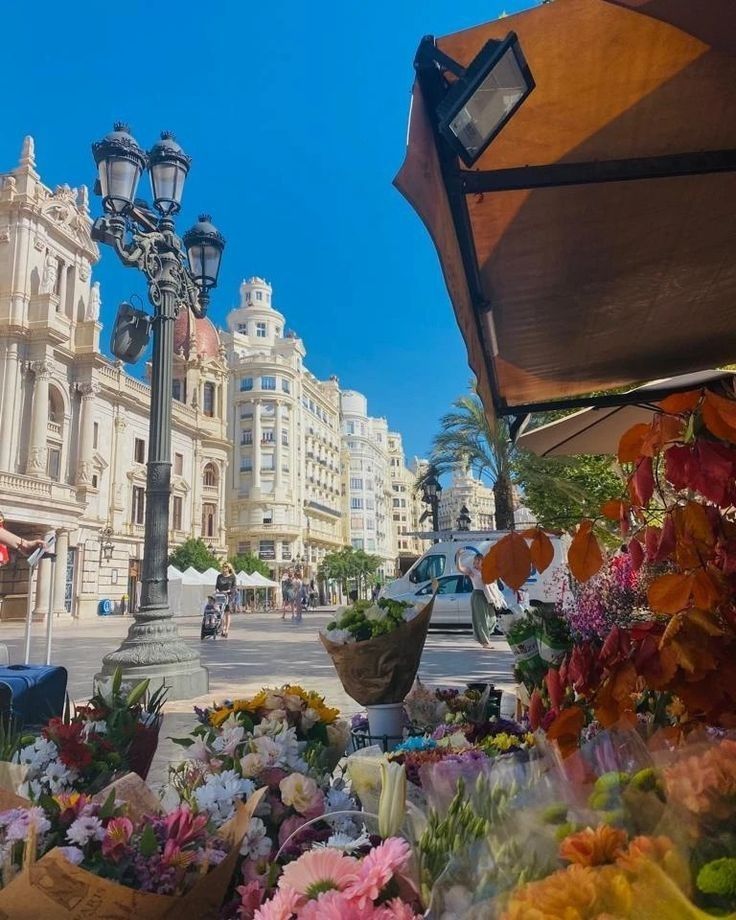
484 602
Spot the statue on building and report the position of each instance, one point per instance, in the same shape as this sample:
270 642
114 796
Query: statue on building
95 302
50 271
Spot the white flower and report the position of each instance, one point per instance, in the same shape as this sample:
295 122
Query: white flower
220 794
256 843
376 613
337 799
97 728
252 764
84 829
199 750
31 789
59 778
170 798
290 748
409 614
346 842
73 854
37 755
341 636
231 735
27 818
103 688
309 718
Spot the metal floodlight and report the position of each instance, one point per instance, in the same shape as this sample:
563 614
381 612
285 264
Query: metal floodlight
204 245
484 97
168 166
120 164
130 333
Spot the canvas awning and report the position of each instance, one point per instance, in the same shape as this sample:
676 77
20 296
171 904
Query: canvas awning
592 245
599 430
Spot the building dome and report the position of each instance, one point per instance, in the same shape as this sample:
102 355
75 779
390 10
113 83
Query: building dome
193 337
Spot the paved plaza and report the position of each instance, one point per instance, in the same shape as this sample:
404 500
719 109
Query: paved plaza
261 650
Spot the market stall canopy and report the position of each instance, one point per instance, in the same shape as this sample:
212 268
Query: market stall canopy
598 430
260 581
209 576
591 246
244 580
191 576
173 574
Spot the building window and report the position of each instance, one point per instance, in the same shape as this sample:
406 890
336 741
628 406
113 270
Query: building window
268 383
268 437
259 295
260 330
242 327
246 383
210 476
370 504
95 480
285 385
246 465
178 464
246 437
356 504
139 450
370 524
95 434
53 463
285 438
138 513
397 503
356 483
176 512
179 390
208 399
268 517
244 547
370 545
357 543
286 551
267 464
267 549
209 516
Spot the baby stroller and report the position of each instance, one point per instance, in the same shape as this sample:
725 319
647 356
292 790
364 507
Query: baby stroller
212 618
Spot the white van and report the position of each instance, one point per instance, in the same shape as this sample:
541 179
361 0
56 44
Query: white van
452 604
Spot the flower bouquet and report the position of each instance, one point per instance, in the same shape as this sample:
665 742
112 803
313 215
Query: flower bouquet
376 648
72 856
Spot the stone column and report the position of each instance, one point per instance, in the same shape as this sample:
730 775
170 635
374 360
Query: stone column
11 391
43 577
89 393
37 450
117 470
278 450
62 287
62 552
256 444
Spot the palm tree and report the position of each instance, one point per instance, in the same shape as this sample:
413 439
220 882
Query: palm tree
467 434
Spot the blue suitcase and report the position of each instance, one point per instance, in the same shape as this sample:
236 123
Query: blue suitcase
39 692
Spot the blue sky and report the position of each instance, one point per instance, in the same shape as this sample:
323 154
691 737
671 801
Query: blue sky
295 116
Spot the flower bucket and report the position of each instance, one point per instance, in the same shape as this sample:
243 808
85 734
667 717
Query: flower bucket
551 650
386 724
143 748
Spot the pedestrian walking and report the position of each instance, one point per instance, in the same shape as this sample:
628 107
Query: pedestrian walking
485 602
287 585
296 603
225 584
312 595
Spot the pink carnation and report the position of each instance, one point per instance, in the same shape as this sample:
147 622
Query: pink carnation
282 906
377 869
251 898
395 909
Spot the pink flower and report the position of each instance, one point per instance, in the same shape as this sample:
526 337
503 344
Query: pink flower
175 857
377 869
182 826
282 906
117 835
272 777
288 827
334 905
395 909
251 898
303 794
318 871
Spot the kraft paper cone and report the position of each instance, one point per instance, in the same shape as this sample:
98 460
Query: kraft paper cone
54 889
12 775
381 670
132 790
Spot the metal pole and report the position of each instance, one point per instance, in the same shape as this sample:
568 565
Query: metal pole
29 617
436 517
50 617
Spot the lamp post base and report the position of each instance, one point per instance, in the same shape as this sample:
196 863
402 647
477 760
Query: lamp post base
154 649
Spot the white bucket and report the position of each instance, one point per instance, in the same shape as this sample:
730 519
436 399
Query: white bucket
386 720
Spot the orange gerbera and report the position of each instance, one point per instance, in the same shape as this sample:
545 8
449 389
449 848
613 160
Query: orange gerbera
594 846
575 893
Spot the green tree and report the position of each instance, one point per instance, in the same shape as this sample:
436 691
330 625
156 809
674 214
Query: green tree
349 565
247 562
467 434
194 553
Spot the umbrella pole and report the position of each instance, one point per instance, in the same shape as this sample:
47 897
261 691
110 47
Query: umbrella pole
50 619
29 617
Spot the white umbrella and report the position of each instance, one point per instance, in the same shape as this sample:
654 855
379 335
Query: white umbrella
598 431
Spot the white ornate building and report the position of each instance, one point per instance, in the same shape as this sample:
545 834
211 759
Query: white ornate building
284 487
74 426
406 503
368 484
465 489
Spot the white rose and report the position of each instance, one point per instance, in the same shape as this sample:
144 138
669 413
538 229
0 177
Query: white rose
375 613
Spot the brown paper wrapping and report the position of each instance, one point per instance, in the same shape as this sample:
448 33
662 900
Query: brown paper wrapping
12 775
132 790
381 670
54 889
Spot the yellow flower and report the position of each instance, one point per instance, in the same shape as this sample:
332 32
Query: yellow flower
251 704
220 716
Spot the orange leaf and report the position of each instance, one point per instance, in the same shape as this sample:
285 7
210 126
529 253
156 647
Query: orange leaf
706 593
677 403
584 556
704 621
513 560
615 509
489 566
630 445
541 550
566 728
719 415
613 701
670 593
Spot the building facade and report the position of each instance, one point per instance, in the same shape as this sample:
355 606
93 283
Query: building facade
478 498
406 504
284 488
74 426
368 483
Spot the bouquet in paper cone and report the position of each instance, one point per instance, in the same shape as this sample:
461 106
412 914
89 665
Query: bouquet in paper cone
74 856
376 649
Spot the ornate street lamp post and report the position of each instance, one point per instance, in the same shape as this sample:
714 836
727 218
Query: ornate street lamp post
432 490
463 520
180 275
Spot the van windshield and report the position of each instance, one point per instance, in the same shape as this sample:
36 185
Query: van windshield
428 568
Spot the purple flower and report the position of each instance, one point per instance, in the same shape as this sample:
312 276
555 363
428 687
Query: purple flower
359 722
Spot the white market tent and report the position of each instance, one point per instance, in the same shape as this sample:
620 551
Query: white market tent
209 576
174 576
244 580
193 589
260 581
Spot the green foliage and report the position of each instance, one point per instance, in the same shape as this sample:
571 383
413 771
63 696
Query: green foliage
349 564
718 877
247 562
194 553
365 620
561 491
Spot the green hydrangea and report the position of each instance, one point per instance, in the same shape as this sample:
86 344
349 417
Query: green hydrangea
718 877
555 814
612 780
